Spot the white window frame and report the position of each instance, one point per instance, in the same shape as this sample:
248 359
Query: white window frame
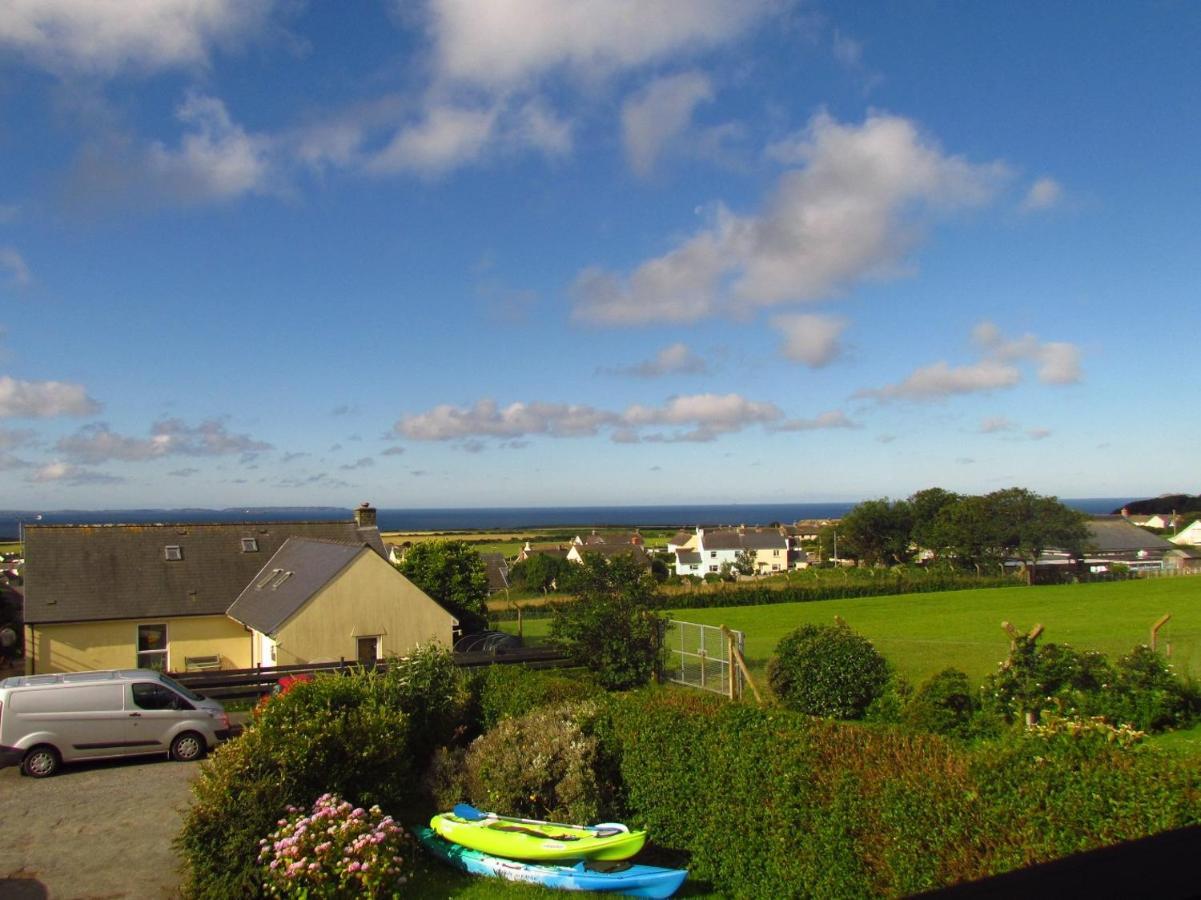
163 654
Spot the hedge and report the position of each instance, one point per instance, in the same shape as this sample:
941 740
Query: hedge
773 803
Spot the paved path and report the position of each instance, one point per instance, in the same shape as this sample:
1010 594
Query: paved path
100 831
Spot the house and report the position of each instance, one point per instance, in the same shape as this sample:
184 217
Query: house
320 600
1189 536
497 568
609 550
156 596
553 550
1182 559
1115 539
709 549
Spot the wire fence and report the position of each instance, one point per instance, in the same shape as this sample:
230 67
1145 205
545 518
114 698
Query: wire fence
699 656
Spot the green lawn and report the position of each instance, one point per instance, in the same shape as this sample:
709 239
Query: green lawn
921 634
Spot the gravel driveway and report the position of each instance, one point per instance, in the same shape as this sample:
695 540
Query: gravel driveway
96 830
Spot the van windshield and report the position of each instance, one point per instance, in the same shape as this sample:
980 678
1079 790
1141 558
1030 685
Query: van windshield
176 686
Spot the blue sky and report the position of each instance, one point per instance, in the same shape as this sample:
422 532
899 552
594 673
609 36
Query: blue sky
563 252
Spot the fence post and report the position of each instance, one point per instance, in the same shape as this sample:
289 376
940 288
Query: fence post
1159 623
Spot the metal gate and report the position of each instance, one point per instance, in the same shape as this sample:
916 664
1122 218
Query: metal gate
699 656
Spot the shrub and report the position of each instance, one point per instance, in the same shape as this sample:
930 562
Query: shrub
542 765
827 670
610 627
508 691
1149 695
338 850
1037 677
943 705
363 736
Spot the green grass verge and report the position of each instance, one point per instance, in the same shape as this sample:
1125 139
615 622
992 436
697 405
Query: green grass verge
921 634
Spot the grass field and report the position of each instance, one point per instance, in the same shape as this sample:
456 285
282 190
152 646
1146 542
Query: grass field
921 634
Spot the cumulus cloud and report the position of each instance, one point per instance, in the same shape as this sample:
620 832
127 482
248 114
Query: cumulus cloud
688 418
43 399
658 114
100 37
447 136
675 359
65 473
216 159
498 46
850 209
835 418
98 443
12 263
1056 363
1045 193
810 339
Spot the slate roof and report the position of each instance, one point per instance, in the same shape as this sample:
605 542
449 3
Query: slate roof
294 573
733 539
80 573
497 568
1113 534
688 558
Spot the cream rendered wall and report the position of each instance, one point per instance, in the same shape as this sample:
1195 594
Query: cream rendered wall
113 644
369 597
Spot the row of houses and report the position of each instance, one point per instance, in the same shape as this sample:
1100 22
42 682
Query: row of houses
199 596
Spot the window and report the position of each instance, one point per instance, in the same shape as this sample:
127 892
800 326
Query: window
250 545
713 568
173 551
694 567
368 650
156 696
775 553
152 647
713 554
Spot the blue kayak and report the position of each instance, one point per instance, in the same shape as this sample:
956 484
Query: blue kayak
619 877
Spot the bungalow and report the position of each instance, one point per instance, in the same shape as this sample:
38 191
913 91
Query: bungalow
608 550
1189 536
321 600
157 596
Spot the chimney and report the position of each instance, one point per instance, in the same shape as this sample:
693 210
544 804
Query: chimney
364 516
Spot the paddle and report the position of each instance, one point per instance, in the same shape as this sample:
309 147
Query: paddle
471 814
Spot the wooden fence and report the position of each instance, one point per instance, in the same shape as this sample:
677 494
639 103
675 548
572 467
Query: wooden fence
229 683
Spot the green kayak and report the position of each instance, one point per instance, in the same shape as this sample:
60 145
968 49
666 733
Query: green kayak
534 840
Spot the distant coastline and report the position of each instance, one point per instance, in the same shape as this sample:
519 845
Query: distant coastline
481 519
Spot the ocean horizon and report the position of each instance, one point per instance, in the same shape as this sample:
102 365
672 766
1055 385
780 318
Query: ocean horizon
483 518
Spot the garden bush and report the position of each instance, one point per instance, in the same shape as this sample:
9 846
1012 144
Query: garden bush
827 670
542 765
507 691
336 851
364 736
942 705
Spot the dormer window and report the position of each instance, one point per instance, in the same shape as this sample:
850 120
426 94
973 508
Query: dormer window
173 552
250 545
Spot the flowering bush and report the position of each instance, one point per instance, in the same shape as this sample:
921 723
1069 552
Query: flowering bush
337 850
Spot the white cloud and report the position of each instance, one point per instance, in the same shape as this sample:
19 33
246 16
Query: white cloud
675 359
1056 362
98 443
994 424
850 211
69 474
835 418
693 418
217 159
43 399
810 339
659 113
500 45
104 36
14 264
446 137
1045 193
1038 434
12 438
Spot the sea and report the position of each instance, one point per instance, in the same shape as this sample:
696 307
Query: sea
482 518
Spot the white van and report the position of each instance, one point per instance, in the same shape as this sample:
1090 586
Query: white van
47 720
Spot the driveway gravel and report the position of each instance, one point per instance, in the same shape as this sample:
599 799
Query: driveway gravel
96 830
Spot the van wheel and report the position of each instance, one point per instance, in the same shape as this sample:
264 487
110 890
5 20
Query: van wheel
187 747
41 762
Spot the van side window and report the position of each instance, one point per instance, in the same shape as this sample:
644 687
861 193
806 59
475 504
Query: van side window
155 696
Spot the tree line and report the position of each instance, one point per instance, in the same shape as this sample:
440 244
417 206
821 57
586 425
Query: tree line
970 530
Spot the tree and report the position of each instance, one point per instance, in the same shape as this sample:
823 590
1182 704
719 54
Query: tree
744 561
877 531
924 507
611 626
453 574
540 571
